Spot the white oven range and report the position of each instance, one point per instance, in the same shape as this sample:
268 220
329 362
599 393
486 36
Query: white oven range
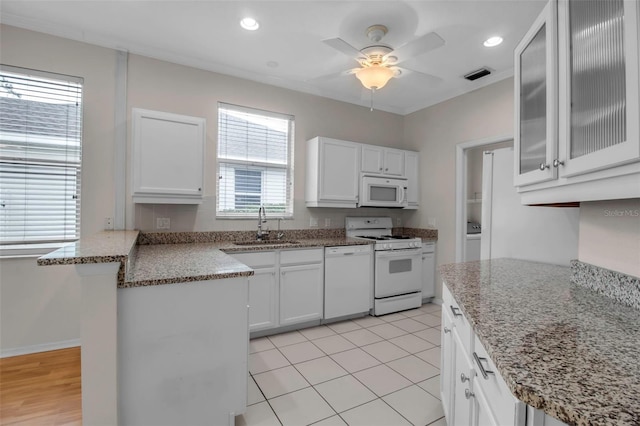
397 265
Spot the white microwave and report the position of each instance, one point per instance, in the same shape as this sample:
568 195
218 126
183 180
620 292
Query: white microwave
376 191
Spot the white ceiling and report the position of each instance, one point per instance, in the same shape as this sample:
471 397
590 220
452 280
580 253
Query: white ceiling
207 35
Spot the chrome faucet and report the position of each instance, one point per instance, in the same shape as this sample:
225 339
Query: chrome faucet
262 218
280 234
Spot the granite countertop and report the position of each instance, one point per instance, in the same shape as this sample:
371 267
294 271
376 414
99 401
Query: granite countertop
559 347
103 247
166 258
175 263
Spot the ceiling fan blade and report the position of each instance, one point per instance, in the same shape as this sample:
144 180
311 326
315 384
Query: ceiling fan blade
428 78
344 47
331 76
417 47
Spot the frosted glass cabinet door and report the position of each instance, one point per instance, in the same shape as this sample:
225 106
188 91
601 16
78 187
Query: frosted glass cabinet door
598 85
535 98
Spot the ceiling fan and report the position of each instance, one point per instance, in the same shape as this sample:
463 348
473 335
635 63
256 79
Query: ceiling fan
379 62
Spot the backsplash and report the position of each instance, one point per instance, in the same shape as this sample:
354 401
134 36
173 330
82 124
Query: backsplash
615 285
146 238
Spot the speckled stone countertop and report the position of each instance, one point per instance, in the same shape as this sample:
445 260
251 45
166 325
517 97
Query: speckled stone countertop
103 247
177 263
560 347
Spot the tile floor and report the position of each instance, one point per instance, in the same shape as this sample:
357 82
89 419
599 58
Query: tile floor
368 371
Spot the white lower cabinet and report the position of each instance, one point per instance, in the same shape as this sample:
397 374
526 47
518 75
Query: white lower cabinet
263 299
473 392
287 287
301 293
447 360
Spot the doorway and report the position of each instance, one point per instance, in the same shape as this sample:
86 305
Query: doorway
469 158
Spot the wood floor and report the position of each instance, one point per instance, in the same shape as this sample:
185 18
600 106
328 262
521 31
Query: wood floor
41 389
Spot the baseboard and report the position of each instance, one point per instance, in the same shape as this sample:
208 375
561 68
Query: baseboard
24 350
436 301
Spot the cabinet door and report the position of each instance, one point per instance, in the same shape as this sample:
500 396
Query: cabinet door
462 394
263 299
339 171
168 155
535 142
482 414
411 160
301 291
598 85
447 360
372 159
393 162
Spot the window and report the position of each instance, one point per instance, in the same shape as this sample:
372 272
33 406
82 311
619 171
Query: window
40 156
254 162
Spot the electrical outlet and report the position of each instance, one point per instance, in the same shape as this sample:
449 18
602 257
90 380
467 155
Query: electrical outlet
108 224
431 221
327 222
163 223
313 222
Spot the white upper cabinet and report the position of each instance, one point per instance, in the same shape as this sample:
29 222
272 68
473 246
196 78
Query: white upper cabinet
598 80
577 93
412 172
332 173
536 113
383 161
168 157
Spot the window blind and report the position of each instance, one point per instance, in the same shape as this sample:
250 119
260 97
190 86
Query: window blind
254 162
40 156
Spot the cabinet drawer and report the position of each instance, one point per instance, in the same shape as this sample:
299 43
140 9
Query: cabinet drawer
293 257
459 321
505 406
266 259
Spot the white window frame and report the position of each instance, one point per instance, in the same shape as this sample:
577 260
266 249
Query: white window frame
255 165
34 248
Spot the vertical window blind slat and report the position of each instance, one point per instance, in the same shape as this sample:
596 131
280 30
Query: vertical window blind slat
254 162
40 156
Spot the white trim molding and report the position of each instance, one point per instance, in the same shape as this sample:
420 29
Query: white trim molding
43 347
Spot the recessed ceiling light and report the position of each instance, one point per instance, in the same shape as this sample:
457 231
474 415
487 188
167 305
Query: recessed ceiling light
492 41
249 24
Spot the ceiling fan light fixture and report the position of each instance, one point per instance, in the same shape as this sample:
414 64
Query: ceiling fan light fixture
374 76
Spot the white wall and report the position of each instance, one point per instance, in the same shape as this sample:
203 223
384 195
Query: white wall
435 132
610 235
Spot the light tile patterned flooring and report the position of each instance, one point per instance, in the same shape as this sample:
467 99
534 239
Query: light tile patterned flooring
368 371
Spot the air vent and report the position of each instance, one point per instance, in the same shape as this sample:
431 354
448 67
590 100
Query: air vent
474 75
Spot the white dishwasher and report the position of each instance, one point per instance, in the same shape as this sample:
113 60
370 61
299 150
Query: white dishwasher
348 280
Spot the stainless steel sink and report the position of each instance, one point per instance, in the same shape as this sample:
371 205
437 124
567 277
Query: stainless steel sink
263 242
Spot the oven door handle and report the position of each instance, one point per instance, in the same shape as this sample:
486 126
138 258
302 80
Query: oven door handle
400 253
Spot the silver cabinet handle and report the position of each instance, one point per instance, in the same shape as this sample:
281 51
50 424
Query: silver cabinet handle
446 330
468 394
543 166
463 378
386 170
557 163
199 189
455 311
485 373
